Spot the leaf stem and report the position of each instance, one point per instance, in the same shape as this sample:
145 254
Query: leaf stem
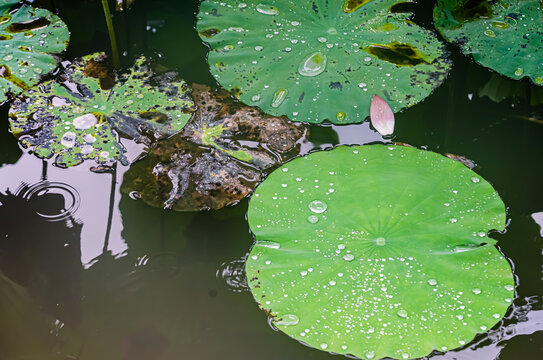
111 32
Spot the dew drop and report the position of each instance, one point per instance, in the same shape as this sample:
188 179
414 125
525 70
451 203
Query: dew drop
324 346
370 355
288 320
314 65
268 262
321 39
483 328
89 138
519 72
380 241
405 356
332 283
268 244
340 116
490 33
475 180
344 347
496 316
509 287
68 139
453 220
267 9
317 206
476 291
254 257
402 313
432 282
259 48
84 122
313 219
459 317
278 98
8 57
86 149
255 98
348 257
499 24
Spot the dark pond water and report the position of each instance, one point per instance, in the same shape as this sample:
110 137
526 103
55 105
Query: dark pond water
119 280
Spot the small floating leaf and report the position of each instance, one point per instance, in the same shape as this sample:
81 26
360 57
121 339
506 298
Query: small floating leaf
378 267
382 117
29 37
216 160
80 115
307 59
504 35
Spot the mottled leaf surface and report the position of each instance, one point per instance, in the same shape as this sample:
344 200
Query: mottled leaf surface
218 157
504 35
80 115
378 251
312 61
29 38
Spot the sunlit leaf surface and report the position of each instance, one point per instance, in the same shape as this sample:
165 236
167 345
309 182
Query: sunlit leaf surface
378 251
313 60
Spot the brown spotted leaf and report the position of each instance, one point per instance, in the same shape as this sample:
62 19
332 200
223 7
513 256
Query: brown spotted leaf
217 159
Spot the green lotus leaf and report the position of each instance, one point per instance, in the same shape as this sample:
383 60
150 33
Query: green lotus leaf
217 159
378 251
29 38
504 35
313 61
80 116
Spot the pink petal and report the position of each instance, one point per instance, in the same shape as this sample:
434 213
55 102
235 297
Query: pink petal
382 117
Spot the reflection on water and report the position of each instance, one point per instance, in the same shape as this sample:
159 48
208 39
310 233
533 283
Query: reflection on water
525 318
48 266
233 275
538 218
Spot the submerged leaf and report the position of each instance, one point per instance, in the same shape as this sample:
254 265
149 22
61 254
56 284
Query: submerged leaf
29 38
313 61
382 117
216 160
504 35
387 257
79 116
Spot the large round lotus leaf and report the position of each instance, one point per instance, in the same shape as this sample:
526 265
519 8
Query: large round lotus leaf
313 60
378 251
76 116
504 35
28 38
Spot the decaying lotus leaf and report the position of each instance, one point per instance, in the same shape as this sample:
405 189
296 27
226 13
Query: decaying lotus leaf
504 35
81 115
218 157
322 59
29 38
